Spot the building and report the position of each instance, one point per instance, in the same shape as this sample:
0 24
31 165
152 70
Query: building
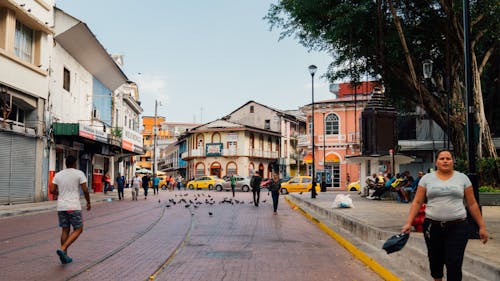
25 46
87 92
223 147
336 135
146 161
289 124
169 156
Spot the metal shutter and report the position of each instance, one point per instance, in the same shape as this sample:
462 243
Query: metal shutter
5 144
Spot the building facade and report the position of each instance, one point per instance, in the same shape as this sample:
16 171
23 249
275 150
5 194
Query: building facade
25 45
224 147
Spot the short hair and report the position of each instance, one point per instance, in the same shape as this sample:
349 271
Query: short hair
70 161
443 150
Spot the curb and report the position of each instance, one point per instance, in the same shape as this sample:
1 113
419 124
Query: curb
357 253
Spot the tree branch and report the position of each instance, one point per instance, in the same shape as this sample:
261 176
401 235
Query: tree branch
486 57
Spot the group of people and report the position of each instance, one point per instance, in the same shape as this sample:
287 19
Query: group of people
403 184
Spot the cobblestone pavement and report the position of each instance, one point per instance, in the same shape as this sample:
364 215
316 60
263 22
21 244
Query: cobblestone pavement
133 240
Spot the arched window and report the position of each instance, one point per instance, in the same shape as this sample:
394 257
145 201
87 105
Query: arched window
231 168
216 137
332 124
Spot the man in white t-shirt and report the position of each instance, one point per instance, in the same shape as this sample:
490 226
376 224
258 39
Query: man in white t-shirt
66 188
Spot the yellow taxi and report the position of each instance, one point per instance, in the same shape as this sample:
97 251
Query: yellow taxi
353 186
298 184
204 182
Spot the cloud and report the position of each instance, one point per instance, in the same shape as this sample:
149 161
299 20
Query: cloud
152 86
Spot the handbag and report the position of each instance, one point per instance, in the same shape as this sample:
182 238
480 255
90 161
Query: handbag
396 242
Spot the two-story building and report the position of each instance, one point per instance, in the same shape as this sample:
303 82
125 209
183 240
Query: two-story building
223 147
26 30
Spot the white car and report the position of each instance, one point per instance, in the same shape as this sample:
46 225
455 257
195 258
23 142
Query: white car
242 184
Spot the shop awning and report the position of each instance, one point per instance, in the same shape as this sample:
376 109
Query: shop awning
332 158
308 158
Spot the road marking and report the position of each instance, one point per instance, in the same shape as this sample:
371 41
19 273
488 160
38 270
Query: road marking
371 263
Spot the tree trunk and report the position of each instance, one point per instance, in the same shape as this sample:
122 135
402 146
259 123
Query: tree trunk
485 142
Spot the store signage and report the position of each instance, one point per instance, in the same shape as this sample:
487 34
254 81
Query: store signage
214 149
233 137
93 133
131 140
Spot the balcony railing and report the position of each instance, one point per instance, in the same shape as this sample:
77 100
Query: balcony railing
351 138
232 152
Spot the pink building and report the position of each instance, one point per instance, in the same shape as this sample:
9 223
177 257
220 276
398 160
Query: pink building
336 134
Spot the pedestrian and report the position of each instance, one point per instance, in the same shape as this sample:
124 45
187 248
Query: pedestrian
120 183
255 184
145 185
445 225
275 188
136 184
156 182
66 188
179 182
233 182
106 181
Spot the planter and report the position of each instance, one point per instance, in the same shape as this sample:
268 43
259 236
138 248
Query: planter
489 198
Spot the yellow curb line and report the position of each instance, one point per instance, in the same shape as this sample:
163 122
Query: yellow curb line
371 263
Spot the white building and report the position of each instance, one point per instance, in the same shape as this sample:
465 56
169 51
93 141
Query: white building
25 47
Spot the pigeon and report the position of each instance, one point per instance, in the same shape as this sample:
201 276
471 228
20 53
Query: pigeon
264 201
196 207
210 213
159 200
187 206
300 192
168 206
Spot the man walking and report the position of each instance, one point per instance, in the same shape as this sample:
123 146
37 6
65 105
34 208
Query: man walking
120 182
145 185
66 188
156 182
233 182
136 184
255 184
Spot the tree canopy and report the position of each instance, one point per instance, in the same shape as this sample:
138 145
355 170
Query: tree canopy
391 39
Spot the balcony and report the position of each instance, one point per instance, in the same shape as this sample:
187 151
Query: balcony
340 139
262 153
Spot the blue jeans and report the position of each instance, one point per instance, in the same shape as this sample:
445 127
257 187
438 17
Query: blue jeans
145 191
275 195
446 246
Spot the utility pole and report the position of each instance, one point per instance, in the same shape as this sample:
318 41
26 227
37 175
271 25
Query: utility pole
154 137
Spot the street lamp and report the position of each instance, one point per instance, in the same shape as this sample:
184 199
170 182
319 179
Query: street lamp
312 71
323 178
155 135
427 71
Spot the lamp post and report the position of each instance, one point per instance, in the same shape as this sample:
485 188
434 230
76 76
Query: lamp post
312 71
154 137
323 178
471 145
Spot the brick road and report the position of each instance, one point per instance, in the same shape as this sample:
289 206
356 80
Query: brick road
130 240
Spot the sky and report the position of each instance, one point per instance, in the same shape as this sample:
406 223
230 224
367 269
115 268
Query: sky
202 59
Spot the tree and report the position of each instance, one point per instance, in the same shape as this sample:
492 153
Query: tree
391 38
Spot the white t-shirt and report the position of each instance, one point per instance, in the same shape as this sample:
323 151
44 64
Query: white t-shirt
136 182
445 198
68 182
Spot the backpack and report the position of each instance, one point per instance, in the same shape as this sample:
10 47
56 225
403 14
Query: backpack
397 182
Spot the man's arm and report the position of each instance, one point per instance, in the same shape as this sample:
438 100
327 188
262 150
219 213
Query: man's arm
54 190
86 194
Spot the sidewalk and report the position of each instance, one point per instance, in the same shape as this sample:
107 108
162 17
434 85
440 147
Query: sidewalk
47 206
371 222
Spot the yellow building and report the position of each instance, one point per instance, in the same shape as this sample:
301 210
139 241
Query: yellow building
148 123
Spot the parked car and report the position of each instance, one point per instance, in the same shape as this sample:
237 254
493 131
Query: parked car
299 184
242 184
204 182
353 186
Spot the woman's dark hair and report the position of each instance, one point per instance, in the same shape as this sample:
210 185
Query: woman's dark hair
443 150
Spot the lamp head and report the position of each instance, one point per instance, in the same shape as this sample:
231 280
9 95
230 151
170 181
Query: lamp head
312 69
427 68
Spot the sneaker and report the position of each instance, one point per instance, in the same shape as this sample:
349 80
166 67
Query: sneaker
63 257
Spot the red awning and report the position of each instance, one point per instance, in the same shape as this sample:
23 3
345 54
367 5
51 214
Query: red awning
332 158
308 158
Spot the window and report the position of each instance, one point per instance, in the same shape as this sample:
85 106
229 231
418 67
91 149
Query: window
66 79
309 126
23 44
267 124
251 109
16 114
332 124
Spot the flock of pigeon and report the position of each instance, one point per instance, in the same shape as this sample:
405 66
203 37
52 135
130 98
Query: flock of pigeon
201 199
